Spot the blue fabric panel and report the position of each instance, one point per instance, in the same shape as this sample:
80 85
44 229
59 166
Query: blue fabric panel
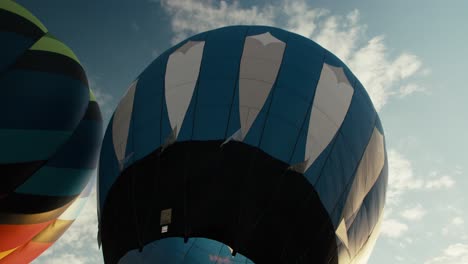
372 207
108 165
54 181
342 175
333 60
174 250
313 173
29 145
299 150
255 133
40 100
292 101
331 181
147 107
211 122
378 125
357 136
217 82
82 148
11 47
279 138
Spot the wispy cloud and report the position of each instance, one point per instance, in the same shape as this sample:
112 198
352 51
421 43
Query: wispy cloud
414 213
384 76
393 228
442 182
401 177
453 254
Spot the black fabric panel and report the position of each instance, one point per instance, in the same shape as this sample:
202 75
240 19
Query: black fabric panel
51 62
21 203
235 194
11 22
15 174
93 112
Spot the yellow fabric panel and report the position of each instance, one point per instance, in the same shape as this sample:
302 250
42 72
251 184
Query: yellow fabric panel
52 232
49 43
23 219
6 253
92 97
13 7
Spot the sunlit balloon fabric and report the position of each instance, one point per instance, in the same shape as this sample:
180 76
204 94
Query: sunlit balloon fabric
50 130
244 144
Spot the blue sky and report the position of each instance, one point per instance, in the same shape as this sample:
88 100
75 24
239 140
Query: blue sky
410 55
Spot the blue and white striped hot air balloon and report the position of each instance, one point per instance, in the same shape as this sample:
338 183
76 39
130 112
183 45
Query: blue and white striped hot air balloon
244 144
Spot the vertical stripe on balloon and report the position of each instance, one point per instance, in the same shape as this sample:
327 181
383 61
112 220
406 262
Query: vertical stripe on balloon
331 102
260 63
182 70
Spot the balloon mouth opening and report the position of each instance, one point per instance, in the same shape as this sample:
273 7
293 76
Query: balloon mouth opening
236 194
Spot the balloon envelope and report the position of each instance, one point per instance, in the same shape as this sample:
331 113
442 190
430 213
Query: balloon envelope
50 131
244 144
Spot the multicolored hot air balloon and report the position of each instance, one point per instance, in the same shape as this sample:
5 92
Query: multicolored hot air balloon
50 132
244 144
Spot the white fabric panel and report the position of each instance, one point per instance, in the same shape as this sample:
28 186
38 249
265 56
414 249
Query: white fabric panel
331 102
343 255
369 169
74 209
183 67
364 253
342 233
260 63
121 123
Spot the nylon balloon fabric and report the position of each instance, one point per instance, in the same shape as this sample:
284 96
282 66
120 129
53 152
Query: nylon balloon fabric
50 133
243 144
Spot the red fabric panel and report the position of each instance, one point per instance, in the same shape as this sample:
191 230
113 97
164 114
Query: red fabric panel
16 235
26 253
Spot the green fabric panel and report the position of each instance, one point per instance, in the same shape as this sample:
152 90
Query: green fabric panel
91 96
56 182
13 7
19 145
49 43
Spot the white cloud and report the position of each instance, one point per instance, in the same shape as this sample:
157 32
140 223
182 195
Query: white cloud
343 35
393 228
401 177
194 16
301 18
415 213
455 228
458 221
409 89
453 254
443 182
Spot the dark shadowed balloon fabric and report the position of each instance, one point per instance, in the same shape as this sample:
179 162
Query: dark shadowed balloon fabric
50 132
245 144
